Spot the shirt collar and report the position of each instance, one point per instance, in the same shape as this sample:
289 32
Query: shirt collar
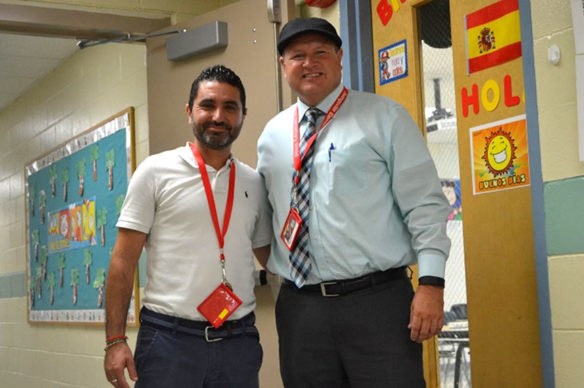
324 105
187 155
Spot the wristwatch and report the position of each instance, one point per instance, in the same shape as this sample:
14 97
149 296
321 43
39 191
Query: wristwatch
431 281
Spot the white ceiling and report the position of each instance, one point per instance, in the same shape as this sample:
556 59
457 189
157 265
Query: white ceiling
26 59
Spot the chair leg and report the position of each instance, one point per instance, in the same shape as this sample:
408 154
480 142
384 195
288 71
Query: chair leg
457 365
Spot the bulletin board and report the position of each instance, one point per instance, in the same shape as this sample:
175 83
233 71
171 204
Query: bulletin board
74 195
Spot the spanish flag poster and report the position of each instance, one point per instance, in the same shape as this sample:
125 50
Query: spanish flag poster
493 35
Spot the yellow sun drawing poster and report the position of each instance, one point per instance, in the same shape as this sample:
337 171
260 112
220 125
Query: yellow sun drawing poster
500 156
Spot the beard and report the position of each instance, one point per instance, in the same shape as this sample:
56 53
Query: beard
216 140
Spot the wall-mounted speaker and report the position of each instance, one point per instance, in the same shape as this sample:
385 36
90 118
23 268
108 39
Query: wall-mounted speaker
197 41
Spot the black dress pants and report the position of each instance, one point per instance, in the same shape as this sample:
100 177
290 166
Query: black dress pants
357 340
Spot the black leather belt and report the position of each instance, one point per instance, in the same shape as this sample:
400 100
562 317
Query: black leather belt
342 287
229 328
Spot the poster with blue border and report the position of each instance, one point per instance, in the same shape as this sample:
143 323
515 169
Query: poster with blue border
393 62
74 195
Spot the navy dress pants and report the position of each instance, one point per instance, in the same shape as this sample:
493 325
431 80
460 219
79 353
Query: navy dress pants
168 358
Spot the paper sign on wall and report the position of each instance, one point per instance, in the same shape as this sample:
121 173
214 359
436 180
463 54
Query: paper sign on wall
393 62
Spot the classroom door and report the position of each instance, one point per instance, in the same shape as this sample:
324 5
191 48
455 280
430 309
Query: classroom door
472 113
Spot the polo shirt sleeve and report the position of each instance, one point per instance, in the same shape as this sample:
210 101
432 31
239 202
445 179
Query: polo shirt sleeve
138 208
262 235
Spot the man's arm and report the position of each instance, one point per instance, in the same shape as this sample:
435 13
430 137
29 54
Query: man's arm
425 211
262 254
118 291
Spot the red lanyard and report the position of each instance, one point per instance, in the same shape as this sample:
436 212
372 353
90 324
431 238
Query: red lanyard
296 130
211 199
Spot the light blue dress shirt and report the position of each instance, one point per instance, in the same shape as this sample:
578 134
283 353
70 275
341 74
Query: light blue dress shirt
376 200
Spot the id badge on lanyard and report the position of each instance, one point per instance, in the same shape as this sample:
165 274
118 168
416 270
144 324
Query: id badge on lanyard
293 221
222 302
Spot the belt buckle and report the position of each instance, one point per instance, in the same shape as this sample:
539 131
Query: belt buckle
323 289
207 335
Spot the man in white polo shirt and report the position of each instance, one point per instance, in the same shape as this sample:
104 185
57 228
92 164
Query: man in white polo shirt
201 215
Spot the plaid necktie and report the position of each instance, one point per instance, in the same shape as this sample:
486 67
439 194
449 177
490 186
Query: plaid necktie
300 263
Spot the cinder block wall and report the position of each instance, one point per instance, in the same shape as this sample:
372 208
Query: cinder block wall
563 176
89 87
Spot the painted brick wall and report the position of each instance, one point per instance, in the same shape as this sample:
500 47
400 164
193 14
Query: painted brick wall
563 176
89 87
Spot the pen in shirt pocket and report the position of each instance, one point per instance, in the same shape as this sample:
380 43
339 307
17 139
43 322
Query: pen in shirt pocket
331 149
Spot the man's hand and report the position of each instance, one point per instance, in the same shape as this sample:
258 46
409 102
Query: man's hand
118 358
427 313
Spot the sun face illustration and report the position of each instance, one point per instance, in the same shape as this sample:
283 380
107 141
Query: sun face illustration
499 152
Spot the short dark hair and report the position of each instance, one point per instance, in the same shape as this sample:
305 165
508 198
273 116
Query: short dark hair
218 73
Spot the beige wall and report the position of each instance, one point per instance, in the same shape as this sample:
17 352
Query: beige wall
250 53
331 13
556 90
556 95
89 87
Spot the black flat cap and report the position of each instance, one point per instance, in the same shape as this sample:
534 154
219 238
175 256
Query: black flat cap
299 26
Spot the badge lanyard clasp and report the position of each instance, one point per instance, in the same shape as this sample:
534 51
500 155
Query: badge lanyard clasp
223 272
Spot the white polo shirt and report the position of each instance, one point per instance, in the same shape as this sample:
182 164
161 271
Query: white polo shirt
166 199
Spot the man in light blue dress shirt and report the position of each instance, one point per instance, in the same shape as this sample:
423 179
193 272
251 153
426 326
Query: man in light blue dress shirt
376 207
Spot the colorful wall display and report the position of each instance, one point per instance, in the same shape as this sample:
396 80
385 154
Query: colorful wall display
393 62
74 195
500 158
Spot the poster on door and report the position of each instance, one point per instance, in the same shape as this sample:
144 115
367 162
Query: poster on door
393 62
500 158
